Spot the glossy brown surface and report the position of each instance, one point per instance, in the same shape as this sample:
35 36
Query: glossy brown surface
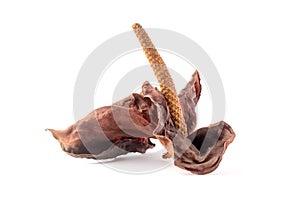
127 126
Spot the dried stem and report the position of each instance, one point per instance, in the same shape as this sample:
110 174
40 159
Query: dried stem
163 76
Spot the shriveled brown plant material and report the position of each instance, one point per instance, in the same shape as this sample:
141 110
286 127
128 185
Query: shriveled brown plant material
127 126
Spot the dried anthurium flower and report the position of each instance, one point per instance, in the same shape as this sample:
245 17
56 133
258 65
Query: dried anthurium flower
127 125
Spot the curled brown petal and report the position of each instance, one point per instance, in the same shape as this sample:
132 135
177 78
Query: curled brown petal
189 97
202 152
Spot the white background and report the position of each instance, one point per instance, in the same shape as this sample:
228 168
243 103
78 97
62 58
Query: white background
254 44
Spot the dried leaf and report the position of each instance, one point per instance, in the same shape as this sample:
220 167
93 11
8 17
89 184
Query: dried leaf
127 126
